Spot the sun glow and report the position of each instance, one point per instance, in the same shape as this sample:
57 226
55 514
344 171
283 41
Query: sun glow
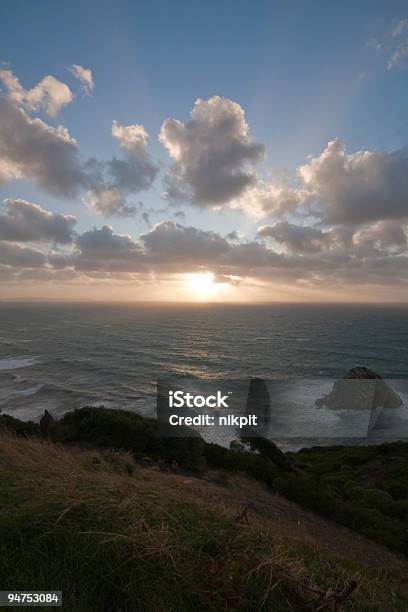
202 284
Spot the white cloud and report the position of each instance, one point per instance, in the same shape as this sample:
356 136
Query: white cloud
399 58
84 75
29 148
49 156
357 187
213 153
109 201
394 43
268 198
132 138
49 94
400 28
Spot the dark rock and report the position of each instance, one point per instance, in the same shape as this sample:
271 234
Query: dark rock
259 403
362 372
46 423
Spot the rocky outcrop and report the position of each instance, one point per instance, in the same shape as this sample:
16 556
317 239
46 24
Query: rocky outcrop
360 389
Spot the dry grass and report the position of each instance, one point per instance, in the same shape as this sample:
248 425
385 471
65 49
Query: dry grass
112 533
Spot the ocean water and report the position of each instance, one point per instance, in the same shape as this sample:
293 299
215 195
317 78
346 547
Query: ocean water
62 356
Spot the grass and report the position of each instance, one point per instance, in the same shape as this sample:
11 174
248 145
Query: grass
114 536
363 488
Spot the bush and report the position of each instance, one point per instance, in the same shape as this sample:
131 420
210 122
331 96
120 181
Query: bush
17 427
372 498
280 485
128 431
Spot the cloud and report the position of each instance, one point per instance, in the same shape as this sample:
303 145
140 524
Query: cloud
49 95
268 198
84 75
213 153
395 44
382 236
29 148
171 242
102 249
109 201
24 221
374 44
314 259
399 58
114 180
296 238
49 156
400 28
357 187
105 242
15 255
132 138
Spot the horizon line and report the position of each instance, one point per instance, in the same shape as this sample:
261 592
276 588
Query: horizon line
199 303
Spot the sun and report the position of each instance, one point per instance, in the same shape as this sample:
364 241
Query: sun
202 284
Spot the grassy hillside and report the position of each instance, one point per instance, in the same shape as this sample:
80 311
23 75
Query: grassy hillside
364 488
114 535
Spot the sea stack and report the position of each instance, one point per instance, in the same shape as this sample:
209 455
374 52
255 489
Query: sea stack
46 423
259 403
370 392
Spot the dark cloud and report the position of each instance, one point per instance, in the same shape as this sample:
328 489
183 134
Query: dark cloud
301 239
24 221
381 236
113 181
375 256
170 242
102 249
15 255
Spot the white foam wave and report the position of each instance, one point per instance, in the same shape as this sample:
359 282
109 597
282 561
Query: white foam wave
15 364
29 391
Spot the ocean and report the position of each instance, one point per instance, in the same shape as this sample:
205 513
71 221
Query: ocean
63 356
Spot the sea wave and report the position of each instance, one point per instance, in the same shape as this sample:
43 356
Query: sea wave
16 363
29 391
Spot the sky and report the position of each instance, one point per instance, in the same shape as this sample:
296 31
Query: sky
226 151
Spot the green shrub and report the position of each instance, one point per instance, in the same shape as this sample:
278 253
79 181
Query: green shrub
280 485
372 498
17 427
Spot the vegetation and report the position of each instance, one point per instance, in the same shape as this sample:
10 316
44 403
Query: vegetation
115 536
95 508
364 488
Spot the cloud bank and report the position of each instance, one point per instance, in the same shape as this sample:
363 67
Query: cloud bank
339 218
